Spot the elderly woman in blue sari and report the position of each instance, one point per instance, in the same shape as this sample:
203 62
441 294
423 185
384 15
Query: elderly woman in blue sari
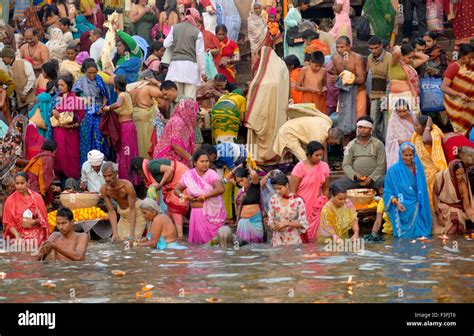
91 88
406 196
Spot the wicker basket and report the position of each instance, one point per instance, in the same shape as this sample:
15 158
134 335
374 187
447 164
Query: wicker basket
361 196
79 200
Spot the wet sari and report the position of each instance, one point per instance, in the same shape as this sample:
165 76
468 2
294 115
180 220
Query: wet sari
310 189
206 221
411 190
450 201
336 221
15 206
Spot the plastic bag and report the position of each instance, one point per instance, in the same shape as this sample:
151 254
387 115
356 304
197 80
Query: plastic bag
363 29
211 70
431 96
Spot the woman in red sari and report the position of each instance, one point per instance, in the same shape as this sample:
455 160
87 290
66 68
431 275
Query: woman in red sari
25 216
230 54
67 135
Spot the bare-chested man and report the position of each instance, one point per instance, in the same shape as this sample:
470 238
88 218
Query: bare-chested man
144 93
132 223
349 60
66 244
35 50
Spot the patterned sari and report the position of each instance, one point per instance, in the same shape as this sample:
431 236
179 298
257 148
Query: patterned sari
432 156
226 116
336 221
459 111
180 131
91 137
204 222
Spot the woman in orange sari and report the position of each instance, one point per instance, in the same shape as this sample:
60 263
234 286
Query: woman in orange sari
230 54
25 216
294 67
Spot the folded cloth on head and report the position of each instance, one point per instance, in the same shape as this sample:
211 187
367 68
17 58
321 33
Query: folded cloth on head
95 157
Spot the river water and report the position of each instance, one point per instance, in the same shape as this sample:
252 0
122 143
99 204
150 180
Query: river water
390 271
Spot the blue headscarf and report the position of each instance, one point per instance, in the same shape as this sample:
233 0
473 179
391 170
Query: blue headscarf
44 104
412 192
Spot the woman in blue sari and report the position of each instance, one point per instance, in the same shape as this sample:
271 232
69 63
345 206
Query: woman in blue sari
92 88
406 195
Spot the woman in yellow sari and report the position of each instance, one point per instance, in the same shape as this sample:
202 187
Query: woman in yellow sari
226 117
428 142
337 217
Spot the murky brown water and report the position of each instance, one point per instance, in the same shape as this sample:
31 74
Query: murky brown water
391 271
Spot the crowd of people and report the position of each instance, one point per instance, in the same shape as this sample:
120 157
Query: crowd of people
117 98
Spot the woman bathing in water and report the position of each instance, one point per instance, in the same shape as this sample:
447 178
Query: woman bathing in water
161 232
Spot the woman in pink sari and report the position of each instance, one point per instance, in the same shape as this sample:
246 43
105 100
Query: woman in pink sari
177 140
401 127
310 181
204 192
66 134
25 216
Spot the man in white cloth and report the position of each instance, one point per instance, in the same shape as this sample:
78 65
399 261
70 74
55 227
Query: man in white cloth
92 178
187 68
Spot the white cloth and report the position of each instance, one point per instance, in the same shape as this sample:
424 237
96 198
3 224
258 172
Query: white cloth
186 71
95 157
30 74
97 48
93 179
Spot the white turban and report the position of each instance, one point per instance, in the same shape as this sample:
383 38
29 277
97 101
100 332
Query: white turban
95 157
365 123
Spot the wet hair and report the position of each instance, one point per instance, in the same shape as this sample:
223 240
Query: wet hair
222 28
136 165
120 83
209 149
49 145
406 49
423 120
280 179
431 35
337 133
374 40
97 32
401 103
317 57
312 147
293 60
343 38
109 166
150 205
168 85
50 70
465 49
337 189
22 174
65 22
220 78
365 118
87 64
68 79
241 172
65 213
197 154
418 41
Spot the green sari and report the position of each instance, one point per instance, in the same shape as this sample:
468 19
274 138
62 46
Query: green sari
382 16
